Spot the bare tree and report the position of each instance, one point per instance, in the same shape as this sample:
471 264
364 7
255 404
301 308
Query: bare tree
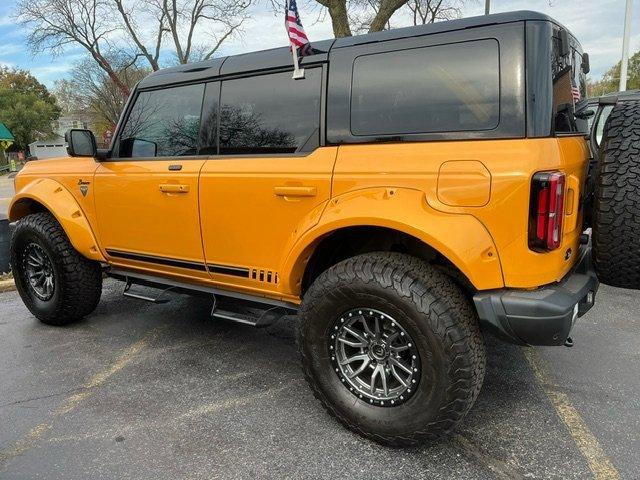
130 24
183 23
430 11
350 17
56 24
186 18
136 29
90 91
354 16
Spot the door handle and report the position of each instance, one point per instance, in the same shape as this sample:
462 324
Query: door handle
285 191
173 188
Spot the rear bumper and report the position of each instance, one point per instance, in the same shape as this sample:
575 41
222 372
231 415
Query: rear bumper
543 316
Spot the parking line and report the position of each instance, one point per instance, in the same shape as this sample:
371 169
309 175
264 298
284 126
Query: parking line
71 402
587 443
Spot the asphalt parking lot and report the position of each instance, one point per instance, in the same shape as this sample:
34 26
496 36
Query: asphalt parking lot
162 391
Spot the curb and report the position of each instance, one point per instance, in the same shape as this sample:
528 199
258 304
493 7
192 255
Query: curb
7 285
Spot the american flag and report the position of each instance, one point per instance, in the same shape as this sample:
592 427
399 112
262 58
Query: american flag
575 92
297 37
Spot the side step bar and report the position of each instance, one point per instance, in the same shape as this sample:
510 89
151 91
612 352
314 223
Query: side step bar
128 293
234 306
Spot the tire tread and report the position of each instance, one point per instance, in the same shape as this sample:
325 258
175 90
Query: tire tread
616 226
444 306
80 278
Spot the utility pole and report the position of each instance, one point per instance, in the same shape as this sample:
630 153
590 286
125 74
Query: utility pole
487 6
625 46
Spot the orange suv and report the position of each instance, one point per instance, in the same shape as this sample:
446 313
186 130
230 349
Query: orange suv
417 188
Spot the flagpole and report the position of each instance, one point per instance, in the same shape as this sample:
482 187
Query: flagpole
625 47
298 72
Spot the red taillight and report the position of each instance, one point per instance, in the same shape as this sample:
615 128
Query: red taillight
546 211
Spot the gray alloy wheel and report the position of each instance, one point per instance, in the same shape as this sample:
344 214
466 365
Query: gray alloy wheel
38 271
375 357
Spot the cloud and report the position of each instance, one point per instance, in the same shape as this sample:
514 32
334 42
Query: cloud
7 49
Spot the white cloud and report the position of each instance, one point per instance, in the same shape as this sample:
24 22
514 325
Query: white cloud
11 49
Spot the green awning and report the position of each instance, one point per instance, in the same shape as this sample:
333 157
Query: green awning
6 138
5 134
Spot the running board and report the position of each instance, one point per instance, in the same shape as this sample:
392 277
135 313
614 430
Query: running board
238 312
239 307
138 296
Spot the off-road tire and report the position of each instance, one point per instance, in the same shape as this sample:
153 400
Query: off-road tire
616 224
77 280
432 309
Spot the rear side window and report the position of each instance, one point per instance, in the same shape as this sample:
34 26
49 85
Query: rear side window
163 123
270 114
444 88
569 85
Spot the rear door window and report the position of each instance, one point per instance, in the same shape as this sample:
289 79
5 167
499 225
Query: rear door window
163 123
270 114
443 88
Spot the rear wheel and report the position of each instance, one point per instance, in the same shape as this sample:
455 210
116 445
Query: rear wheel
391 347
616 224
56 283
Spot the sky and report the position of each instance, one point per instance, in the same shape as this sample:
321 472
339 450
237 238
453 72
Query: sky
598 24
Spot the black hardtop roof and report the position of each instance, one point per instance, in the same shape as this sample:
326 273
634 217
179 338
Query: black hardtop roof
281 57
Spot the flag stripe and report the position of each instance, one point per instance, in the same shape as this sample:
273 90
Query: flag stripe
297 36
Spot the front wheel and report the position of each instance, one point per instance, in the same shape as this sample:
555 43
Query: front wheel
56 283
391 347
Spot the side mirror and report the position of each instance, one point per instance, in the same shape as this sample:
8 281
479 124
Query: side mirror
138 148
81 143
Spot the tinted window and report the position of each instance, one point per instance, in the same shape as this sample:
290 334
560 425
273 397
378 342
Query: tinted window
270 114
163 123
443 88
569 86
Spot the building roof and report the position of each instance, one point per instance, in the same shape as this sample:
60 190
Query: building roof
281 57
5 134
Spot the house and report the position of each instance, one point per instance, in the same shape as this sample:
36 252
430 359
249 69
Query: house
53 147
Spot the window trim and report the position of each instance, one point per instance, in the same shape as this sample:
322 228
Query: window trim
426 132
